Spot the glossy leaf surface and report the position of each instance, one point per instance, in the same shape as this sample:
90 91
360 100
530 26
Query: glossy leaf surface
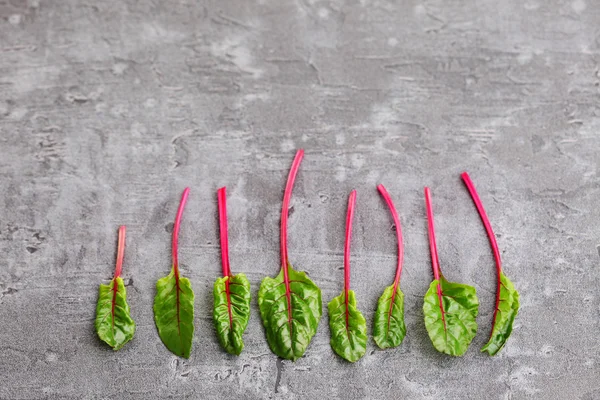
388 325
348 328
507 309
113 322
290 325
452 325
231 311
174 313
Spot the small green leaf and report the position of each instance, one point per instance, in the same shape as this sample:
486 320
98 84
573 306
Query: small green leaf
289 337
348 328
113 322
231 312
388 327
507 309
174 313
452 325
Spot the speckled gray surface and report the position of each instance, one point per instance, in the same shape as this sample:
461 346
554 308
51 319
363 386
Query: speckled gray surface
109 109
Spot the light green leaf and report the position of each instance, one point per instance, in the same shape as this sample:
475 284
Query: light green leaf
451 330
388 327
507 309
174 313
113 322
290 328
348 339
231 312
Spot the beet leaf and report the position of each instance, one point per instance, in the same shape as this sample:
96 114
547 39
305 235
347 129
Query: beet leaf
388 327
113 322
347 325
450 308
174 301
231 293
507 297
290 304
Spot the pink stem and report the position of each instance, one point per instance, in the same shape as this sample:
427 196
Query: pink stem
491 237
222 197
384 193
484 219
284 209
184 197
349 218
435 263
284 218
120 251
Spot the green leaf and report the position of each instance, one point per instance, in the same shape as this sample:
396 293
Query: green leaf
452 331
506 311
231 312
348 340
113 322
388 327
289 338
174 313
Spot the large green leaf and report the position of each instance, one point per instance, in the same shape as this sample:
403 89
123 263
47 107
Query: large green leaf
452 325
113 322
388 327
231 311
174 313
290 319
507 309
348 328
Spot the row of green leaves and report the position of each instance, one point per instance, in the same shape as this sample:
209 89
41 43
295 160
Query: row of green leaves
291 306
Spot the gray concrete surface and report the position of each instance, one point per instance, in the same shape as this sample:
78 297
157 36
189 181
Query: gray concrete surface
109 109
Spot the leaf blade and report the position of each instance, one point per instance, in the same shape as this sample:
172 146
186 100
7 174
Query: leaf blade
348 339
289 338
389 328
113 323
508 308
451 326
231 313
174 313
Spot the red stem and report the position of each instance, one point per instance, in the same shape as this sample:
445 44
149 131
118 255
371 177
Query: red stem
118 268
491 237
284 218
484 219
386 196
349 218
435 262
284 208
184 197
222 197
120 251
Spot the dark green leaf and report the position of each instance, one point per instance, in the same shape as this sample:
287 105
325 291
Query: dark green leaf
348 328
451 330
290 329
388 327
113 322
508 307
174 313
231 312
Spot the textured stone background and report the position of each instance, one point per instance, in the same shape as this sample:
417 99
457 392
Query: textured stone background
109 109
